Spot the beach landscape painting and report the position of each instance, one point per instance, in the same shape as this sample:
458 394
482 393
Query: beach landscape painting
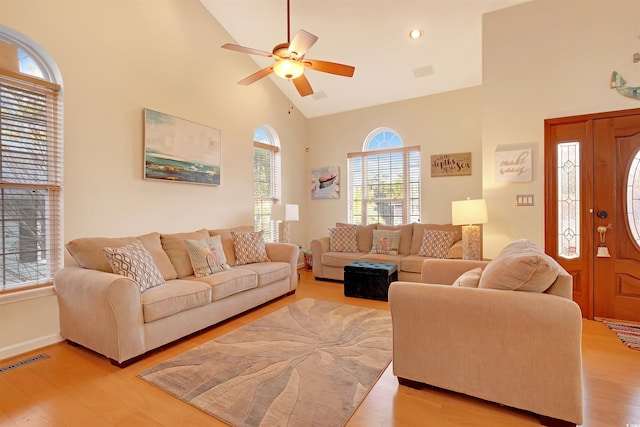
179 150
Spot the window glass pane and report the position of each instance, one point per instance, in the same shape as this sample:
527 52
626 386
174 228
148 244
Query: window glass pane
28 65
266 183
384 139
261 135
633 198
568 175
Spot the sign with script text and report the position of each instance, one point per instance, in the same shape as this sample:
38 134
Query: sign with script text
451 164
514 166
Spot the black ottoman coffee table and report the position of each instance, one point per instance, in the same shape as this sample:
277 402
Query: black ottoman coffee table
365 279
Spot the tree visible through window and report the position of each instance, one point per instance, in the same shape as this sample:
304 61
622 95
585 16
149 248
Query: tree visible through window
30 166
384 181
266 180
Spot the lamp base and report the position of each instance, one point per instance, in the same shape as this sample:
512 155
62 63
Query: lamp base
284 235
471 242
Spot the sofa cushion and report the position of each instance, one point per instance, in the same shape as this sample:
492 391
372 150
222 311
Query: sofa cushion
411 264
406 234
343 239
87 252
249 247
436 243
230 282
455 251
469 279
385 242
173 244
269 272
173 297
418 234
207 256
339 259
227 240
364 235
520 266
395 259
135 262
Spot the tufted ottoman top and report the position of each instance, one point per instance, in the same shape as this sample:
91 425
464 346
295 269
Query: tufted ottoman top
371 267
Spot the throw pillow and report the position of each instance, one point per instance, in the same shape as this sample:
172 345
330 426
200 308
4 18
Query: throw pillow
134 262
469 279
436 243
385 242
343 239
249 247
207 256
520 266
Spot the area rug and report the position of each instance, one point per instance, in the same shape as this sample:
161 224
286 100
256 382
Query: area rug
308 364
627 332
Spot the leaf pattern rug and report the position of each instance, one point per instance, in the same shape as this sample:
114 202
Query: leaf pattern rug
308 364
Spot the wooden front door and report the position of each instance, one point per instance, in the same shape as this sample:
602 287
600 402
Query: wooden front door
588 164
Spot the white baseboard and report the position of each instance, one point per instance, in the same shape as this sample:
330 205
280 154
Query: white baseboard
27 346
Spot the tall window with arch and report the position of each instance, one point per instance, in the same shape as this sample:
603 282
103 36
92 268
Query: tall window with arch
266 180
384 181
30 164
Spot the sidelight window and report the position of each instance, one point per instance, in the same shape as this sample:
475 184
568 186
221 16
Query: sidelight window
568 199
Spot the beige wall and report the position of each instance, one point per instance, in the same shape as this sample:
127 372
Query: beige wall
116 58
444 123
544 59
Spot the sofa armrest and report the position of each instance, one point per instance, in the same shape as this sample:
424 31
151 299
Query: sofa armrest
446 271
520 349
319 246
286 252
101 311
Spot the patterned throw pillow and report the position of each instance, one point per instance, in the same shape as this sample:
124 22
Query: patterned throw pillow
343 239
385 242
134 262
207 256
436 243
249 247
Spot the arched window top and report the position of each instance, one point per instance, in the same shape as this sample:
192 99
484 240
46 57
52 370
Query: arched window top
20 54
381 139
266 135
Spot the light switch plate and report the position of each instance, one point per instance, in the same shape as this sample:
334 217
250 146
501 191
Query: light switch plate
524 200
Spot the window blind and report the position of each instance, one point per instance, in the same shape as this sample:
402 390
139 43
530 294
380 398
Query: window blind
384 186
30 181
266 186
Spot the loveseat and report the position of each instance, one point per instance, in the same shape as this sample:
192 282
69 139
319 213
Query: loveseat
416 242
114 315
505 331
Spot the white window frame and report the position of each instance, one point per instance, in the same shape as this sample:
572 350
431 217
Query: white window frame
263 203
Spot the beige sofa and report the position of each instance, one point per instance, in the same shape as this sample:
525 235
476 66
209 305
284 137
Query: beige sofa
518 348
329 264
109 314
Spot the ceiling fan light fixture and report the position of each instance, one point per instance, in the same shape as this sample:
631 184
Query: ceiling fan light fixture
288 69
416 33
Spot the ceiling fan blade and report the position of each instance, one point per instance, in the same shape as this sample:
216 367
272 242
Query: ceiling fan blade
330 67
256 76
301 43
303 85
243 49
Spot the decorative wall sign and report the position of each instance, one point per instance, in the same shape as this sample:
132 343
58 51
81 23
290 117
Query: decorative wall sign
178 150
325 182
451 164
620 84
514 166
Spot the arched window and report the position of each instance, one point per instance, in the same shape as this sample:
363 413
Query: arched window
384 181
266 179
30 163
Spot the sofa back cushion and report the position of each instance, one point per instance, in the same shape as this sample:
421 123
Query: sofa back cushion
176 249
364 235
520 266
88 252
418 234
406 234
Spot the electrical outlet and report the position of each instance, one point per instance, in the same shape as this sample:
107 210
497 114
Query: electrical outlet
524 200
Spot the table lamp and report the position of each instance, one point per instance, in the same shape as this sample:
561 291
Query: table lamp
284 214
469 213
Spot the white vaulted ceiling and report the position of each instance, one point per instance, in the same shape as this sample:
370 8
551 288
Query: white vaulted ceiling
371 35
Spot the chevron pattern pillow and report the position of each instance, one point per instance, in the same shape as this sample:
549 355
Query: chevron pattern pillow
135 262
249 247
436 243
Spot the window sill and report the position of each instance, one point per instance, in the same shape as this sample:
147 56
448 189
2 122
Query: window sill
14 297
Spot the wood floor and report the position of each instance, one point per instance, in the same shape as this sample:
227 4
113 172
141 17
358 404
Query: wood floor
76 387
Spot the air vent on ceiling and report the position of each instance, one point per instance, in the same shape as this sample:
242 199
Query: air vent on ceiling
319 95
423 71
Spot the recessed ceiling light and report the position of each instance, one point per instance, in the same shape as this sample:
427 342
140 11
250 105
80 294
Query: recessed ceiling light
416 33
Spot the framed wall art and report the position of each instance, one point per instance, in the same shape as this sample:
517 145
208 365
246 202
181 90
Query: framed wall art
178 150
514 165
457 164
325 182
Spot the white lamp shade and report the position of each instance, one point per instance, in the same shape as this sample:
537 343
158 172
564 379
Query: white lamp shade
284 212
467 212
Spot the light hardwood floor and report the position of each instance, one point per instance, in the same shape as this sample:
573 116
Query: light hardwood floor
75 387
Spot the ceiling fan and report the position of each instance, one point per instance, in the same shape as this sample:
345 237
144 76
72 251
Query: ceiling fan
290 62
